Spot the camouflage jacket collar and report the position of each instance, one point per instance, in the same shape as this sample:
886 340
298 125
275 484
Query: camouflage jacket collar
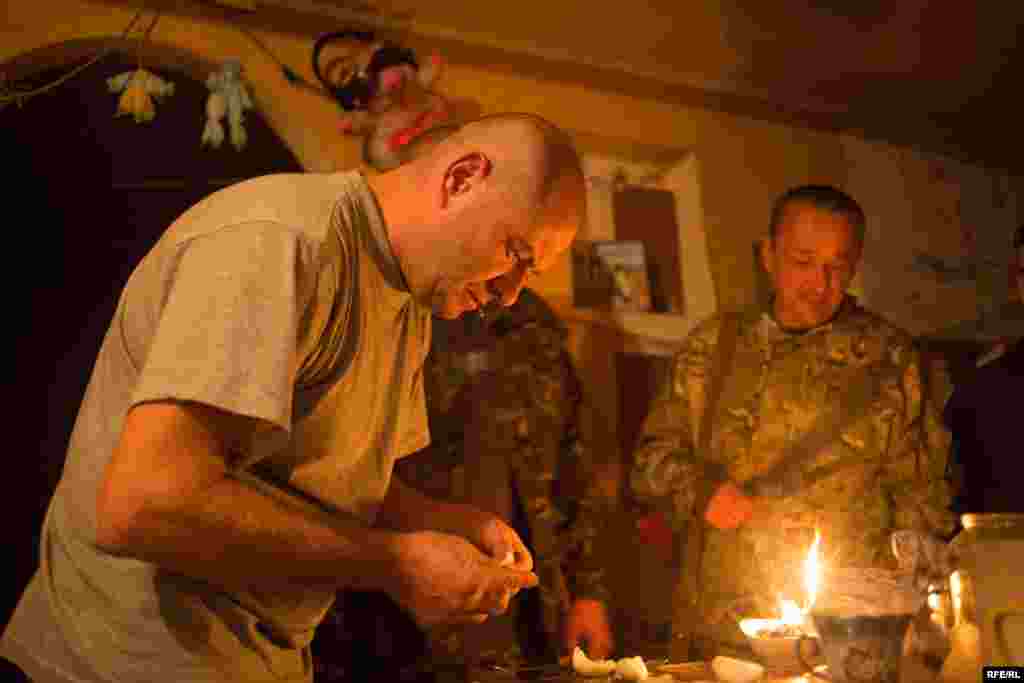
759 321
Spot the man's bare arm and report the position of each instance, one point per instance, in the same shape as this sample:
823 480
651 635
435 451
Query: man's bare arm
406 509
167 498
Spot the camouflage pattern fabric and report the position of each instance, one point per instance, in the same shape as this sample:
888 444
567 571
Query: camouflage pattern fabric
779 384
506 391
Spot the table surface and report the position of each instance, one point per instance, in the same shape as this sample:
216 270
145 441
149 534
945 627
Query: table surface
912 671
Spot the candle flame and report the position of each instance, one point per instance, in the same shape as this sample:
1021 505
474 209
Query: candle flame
791 612
955 591
792 615
812 572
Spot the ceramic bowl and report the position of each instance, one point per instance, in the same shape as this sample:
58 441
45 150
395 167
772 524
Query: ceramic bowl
778 653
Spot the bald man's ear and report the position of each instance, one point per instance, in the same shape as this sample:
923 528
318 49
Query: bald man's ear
463 175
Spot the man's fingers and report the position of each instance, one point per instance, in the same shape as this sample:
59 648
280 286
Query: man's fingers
506 598
523 560
515 557
496 600
517 580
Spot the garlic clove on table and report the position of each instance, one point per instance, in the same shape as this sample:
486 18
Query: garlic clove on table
735 670
627 668
631 669
585 666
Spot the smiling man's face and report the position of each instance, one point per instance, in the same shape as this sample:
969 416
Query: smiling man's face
811 261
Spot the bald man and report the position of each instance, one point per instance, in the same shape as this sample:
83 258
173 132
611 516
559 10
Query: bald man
230 467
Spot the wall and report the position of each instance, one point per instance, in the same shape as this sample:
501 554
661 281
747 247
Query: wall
938 254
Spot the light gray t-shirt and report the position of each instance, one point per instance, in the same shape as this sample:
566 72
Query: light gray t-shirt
280 299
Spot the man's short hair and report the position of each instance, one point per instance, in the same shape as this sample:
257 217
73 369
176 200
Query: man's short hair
823 197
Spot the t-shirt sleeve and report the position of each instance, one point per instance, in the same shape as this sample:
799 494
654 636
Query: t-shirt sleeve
417 434
226 330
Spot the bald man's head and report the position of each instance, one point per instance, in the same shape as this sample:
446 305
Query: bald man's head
537 157
483 186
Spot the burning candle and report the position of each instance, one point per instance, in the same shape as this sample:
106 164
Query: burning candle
793 619
812 583
812 572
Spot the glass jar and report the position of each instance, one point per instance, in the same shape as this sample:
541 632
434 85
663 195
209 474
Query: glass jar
987 591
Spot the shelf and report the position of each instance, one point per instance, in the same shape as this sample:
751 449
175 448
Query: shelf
659 334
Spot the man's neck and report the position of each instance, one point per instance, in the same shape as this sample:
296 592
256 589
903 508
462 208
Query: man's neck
804 330
387 190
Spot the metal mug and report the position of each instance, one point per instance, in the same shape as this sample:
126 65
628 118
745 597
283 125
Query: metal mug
858 648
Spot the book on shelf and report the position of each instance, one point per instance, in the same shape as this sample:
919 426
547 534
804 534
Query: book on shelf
611 274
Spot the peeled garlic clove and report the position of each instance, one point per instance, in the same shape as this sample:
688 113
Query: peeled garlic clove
631 669
585 666
736 670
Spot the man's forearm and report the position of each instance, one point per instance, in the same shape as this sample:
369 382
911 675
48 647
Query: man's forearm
168 497
240 538
406 509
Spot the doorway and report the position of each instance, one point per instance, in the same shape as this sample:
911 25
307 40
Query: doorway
89 194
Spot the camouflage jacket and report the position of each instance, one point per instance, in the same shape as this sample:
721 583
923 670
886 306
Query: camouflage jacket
516 398
778 386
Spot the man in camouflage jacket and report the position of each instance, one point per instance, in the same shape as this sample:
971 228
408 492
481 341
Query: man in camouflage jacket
503 401
791 362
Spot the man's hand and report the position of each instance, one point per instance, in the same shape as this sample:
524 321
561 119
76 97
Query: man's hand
445 579
728 507
406 509
587 621
497 539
